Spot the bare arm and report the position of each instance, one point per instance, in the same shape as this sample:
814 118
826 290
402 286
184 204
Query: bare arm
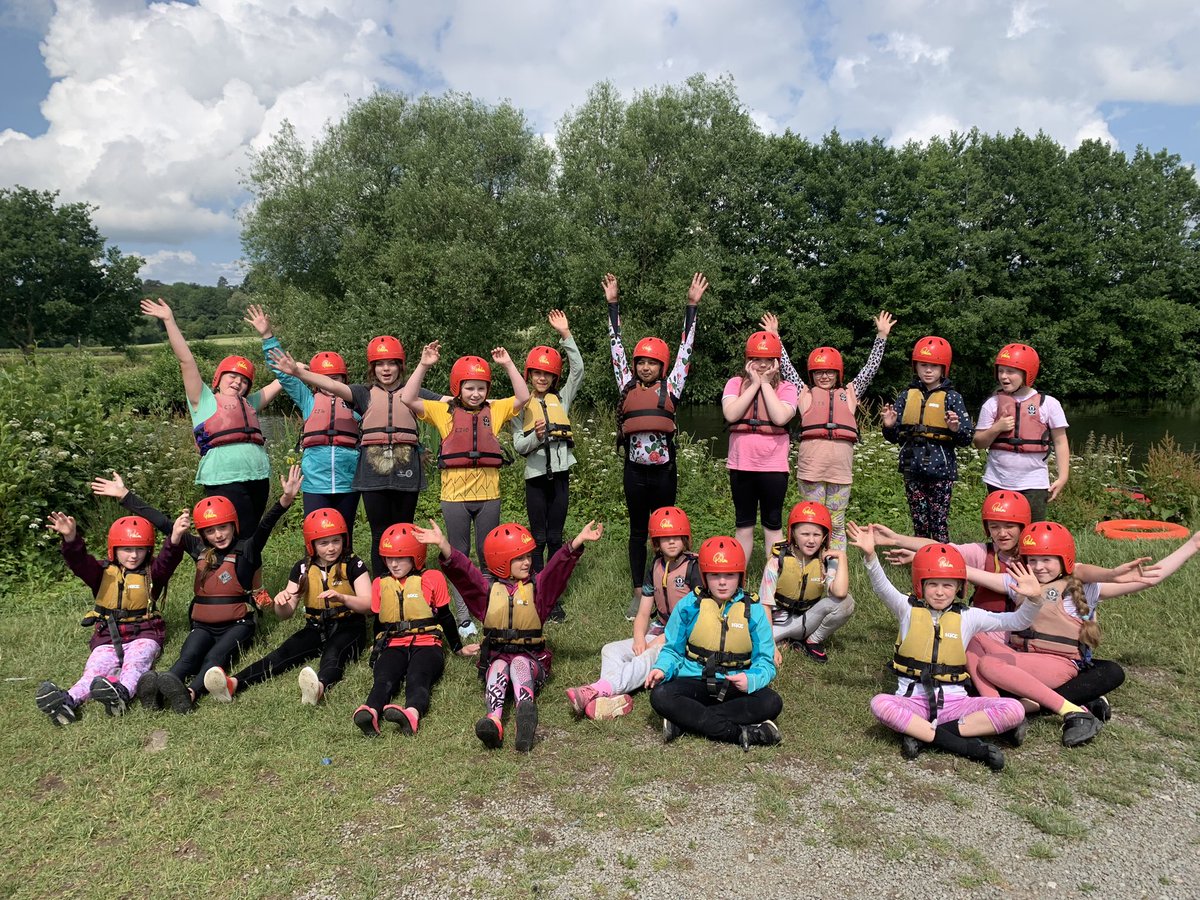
193 384
411 392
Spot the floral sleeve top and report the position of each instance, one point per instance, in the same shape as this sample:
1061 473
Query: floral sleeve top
860 382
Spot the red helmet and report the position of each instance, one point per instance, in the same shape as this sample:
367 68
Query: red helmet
934 350
323 523
653 348
1006 506
216 510
129 531
1049 539
384 347
400 541
238 365
825 359
505 543
938 561
469 368
670 521
543 359
763 345
812 513
722 555
1022 357
328 363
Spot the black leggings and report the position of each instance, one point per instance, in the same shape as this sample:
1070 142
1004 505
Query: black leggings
1103 676
687 703
753 491
646 489
344 643
385 509
418 667
249 498
546 498
211 645
346 504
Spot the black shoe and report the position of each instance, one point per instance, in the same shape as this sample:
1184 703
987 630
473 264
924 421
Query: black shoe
910 747
557 613
995 758
114 696
1016 736
1079 728
527 719
147 691
174 692
490 732
57 704
367 721
815 650
1100 708
670 731
764 734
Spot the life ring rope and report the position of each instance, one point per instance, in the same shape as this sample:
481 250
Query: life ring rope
1140 530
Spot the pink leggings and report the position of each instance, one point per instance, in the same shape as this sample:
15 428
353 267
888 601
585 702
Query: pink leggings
995 667
896 711
524 673
140 655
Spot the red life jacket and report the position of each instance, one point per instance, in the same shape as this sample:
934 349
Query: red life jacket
984 598
471 441
646 409
1027 413
219 596
1053 631
234 422
755 421
331 422
828 417
672 585
388 420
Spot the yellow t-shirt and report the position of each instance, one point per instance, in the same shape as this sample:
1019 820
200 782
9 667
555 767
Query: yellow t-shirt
469 484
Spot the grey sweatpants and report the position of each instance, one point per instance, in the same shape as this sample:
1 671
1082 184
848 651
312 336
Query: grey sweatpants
458 516
817 624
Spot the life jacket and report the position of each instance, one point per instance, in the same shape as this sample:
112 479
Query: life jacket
471 441
317 581
756 421
219 596
403 609
1053 631
511 623
125 596
985 598
388 420
646 409
721 640
331 422
925 417
672 585
1027 413
829 417
234 422
799 586
932 651
558 425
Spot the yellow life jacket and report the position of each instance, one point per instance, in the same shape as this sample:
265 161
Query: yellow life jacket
403 609
720 638
511 623
124 595
800 585
317 581
925 417
932 651
550 410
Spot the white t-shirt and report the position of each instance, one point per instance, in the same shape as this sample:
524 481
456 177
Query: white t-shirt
1013 471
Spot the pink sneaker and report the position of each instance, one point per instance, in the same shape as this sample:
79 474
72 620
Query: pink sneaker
406 717
580 697
366 719
603 708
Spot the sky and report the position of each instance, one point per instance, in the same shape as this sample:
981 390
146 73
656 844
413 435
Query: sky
150 110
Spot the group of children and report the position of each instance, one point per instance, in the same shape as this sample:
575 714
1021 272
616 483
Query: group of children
703 643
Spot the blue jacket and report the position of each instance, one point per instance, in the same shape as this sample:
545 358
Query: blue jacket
674 663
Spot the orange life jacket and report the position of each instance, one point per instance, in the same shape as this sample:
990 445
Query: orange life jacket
1053 631
672 585
219 596
1027 413
234 422
985 598
331 422
646 409
471 441
828 417
756 421
388 420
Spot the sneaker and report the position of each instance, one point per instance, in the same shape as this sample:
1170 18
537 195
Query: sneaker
57 704
466 630
1100 708
113 695
910 747
406 717
219 685
490 732
527 719
580 697
311 689
995 757
1016 736
764 734
815 650
632 610
367 720
557 613
1079 728
147 691
604 708
670 731
175 693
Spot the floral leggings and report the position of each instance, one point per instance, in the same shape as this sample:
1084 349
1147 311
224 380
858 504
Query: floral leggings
929 504
835 498
140 655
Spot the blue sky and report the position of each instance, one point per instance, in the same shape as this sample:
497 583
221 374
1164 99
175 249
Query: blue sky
149 110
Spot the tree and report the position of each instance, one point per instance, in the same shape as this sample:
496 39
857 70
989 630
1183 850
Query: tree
58 281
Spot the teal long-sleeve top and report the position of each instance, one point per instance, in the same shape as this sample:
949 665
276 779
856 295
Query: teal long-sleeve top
674 663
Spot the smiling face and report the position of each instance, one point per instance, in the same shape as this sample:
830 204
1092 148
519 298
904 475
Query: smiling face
722 585
328 549
472 393
130 557
1044 568
808 538
541 381
519 568
1004 536
387 371
398 566
1011 380
231 384
647 370
219 537
825 378
929 374
940 592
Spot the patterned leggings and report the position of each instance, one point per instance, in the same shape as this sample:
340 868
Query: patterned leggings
140 655
835 497
524 673
896 711
929 504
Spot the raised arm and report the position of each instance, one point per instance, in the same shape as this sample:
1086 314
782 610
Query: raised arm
411 392
1168 566
501 357
283 361
193 384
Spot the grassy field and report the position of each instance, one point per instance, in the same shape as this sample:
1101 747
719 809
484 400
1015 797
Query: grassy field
267 798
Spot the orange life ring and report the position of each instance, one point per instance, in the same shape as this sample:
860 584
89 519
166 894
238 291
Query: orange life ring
1140 530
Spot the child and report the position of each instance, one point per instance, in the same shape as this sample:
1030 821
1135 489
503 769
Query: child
513 609
646 420
127 629
928 421
828 428
757 407
336 589
931 705
1059 642
544 439
223 613
413 607
713 673
805 584
233 461
673 573
1019 427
